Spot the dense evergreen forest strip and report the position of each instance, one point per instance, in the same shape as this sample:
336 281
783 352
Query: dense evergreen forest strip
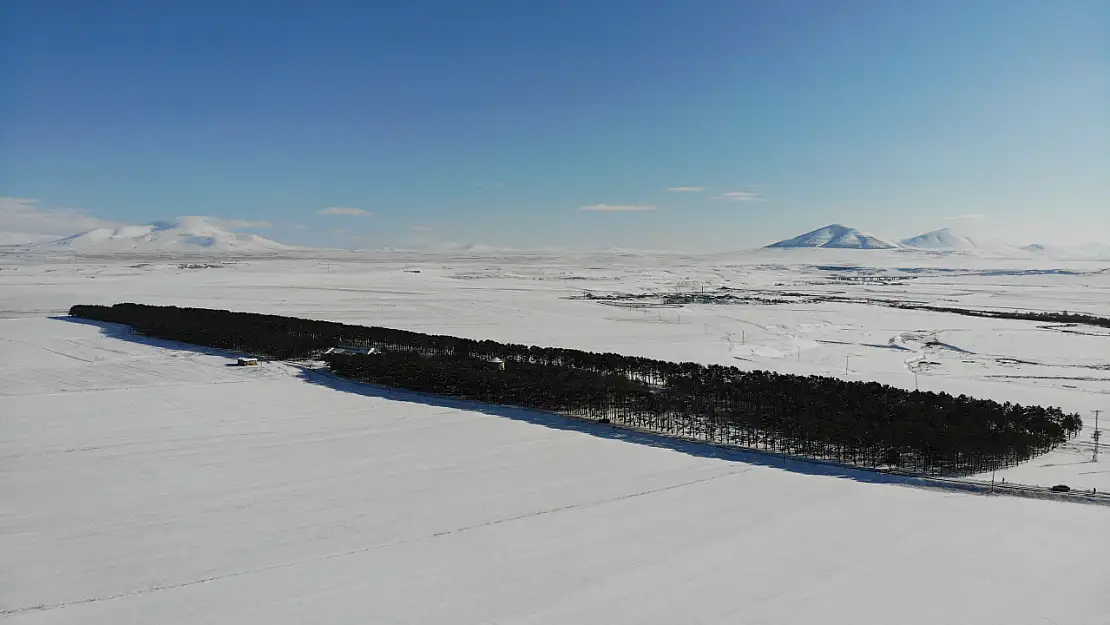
860 423
791 297
1044 317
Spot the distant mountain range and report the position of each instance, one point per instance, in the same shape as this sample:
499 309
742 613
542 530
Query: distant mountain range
207 236
844 237
181 236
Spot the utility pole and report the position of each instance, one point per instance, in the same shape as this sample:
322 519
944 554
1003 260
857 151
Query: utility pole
916 384
845 365
1097 435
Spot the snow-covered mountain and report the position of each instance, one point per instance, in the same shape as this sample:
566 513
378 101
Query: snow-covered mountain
941 240
181 236
837 236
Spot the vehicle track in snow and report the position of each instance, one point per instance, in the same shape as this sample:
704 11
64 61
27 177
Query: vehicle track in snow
352 552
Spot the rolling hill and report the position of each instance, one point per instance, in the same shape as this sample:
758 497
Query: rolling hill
836 236
944 239
181 236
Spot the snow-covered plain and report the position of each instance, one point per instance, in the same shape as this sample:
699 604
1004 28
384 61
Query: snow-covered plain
144 482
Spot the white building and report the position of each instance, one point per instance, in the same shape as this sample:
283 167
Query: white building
362 351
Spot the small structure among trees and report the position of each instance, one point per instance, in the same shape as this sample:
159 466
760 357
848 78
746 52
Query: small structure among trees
351 350
246 362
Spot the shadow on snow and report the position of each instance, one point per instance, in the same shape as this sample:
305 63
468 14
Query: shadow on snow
556 421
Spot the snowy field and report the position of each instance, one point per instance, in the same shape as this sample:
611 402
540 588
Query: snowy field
145 483
525 298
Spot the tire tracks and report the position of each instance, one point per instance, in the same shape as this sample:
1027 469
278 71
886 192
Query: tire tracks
332 556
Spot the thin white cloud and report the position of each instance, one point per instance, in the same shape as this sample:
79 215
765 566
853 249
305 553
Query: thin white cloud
740 196
342 210
337 231
616 208
686 189
967 217
295 226
237 224
422 228
27 215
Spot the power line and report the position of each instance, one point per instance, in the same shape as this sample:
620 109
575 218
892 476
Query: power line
1096 436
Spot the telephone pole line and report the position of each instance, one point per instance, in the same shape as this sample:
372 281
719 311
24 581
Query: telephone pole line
1097 435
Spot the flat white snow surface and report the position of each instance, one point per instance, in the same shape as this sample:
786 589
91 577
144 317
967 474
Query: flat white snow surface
147 482
150 485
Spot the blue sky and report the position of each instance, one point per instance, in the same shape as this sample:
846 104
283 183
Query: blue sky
497 121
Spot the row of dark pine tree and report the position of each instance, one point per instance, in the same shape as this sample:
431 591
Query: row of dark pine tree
861 423
1064 317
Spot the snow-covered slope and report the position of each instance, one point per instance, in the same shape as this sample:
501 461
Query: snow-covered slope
181 236
941 240
837 236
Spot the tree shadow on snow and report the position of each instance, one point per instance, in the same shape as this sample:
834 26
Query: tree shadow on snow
557 421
